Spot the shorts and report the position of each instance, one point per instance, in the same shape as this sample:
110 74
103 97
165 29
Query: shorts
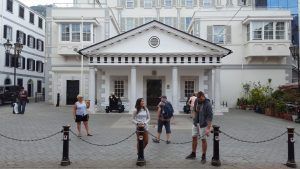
80 118
165 123
197 131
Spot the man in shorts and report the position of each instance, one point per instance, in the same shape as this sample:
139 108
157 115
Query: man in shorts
201 125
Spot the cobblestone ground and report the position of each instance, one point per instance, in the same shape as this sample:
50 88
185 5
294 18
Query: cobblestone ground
42 120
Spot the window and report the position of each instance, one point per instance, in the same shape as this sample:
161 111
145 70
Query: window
65 32
30 64
21 37
20 62
279 33
39 86
9 5
31 41
75 32
257 30
148 19
207 3
40 45
119 88
40 23
168 21
189 3
31 17
248 32
268 30
7 81
7 59
219 34
189 88
187 22
168 3
129 3
7 32
21 11
147 3
20 82
39 66
129 23
86 34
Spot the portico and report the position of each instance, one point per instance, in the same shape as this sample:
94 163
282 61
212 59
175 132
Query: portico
152 60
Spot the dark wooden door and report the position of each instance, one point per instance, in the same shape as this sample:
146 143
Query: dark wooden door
72 91
154 91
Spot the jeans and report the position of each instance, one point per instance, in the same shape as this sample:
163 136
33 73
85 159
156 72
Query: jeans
21 107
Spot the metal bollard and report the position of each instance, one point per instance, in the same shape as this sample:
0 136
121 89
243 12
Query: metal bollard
291 152
65 156
35 99
57 100
216 155
141 160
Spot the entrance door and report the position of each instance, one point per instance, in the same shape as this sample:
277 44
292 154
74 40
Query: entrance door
154 91
72 91
30 88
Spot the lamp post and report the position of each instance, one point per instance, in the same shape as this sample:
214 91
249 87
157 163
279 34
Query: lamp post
17 50
295 53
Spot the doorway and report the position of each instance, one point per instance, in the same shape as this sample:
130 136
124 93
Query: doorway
30 88
72 91
154 91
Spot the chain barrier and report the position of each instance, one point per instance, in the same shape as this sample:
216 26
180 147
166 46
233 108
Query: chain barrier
252 142
185 142
103 145
30 140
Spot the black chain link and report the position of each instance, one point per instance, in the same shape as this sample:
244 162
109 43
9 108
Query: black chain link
253 142
185 142
103 145
30 140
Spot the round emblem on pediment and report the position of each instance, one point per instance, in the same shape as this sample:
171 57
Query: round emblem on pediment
154 41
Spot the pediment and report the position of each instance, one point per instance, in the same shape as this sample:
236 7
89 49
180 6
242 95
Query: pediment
155 38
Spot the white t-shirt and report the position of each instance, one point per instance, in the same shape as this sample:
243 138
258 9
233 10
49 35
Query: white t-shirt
81 108
142 117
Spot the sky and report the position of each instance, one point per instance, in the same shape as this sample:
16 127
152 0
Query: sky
43 2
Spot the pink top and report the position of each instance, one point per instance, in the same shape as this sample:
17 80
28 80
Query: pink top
192 100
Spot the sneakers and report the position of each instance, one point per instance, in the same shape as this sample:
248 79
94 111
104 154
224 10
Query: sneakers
192 156
155 140
203 159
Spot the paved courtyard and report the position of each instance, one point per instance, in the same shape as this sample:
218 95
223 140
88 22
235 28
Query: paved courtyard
41 119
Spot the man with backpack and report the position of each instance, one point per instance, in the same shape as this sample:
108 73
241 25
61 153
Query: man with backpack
165 113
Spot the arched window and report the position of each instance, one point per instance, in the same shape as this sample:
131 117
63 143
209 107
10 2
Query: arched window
7 81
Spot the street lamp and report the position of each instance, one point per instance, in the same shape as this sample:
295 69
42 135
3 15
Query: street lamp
17 50
295 53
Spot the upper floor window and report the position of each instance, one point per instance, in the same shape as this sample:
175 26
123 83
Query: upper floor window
248 32
31 41
86 32
31 17
147 3
30 64
168 21
187 22
189 3
40 45
129 3
39 66
207 3
65 32
9 5
219 34
129 23
7 32
21 37
168 3
76 32
267 30
40 23
21 11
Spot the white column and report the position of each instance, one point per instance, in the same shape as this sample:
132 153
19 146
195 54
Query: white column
217 90
133 88
175 89
92 88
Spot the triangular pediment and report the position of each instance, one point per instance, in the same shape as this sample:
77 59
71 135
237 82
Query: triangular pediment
155 38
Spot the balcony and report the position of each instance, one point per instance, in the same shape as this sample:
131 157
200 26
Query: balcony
267 49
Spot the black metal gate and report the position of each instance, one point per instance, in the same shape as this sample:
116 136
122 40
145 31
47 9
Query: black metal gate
72 91
154 91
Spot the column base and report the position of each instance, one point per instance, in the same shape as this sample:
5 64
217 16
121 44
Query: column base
291 164
65 163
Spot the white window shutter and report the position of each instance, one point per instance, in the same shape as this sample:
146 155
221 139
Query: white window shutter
209 33
195 3
142 3
182 2
201 3
228 35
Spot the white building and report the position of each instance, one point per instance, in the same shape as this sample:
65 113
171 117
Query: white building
17 21
149 60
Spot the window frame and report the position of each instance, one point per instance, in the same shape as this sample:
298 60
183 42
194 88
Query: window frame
21 7
85 34
30 43
11 7
40 45
11 32
169 2
207 3
189 91
40 22
127 2
119 88
223 34
274 32
75 33
31 17
65 35
187 5
146 3
283 31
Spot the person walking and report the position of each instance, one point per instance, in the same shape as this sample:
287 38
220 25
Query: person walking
141 117
165 113
202 124
23 99
191 104
80 115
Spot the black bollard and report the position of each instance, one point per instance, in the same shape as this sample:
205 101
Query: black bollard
141 160
216 154
57 100
291 153
35 99
65 156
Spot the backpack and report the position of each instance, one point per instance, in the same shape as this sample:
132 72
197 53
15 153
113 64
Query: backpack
167 111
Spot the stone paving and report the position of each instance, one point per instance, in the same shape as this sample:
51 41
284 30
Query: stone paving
41 119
